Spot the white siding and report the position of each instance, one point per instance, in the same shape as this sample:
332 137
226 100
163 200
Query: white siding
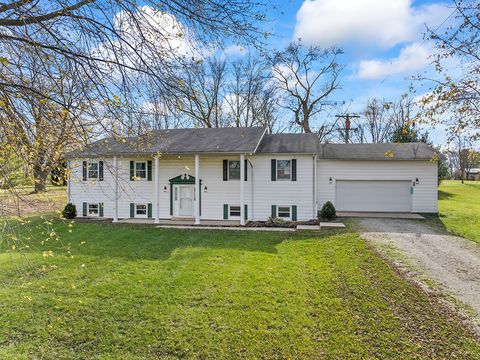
424 198
268 192
218 192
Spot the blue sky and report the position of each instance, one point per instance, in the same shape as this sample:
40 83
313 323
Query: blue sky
382 40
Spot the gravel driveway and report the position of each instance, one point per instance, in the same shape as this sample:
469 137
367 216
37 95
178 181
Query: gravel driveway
450 260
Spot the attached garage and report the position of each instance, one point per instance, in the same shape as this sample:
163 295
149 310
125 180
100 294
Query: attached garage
373 195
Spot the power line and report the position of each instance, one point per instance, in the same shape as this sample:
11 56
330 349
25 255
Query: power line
347 127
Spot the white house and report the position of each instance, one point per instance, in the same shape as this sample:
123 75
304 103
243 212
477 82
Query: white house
246 174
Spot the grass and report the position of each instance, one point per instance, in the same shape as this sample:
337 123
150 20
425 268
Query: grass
142 292
21 200
459 208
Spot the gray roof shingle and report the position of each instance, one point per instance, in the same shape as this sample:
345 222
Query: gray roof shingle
387 151
289 143
249 140
179 141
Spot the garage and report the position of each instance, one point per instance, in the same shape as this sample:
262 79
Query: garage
373 195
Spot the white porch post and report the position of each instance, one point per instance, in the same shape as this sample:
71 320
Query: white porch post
69 172
197 189
242 188
157 190
115 173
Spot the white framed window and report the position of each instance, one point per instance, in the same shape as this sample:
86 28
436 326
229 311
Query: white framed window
92 170
284 212
141 170
284 169
93 210
141 210
233 169
234 211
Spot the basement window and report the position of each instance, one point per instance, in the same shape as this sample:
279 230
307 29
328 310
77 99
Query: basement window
283 212
92 209
141 210
234 211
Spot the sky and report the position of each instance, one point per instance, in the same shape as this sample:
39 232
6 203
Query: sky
383 42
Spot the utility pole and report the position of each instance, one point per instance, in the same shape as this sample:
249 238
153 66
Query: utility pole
347 127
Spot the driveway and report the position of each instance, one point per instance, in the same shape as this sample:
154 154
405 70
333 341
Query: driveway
450 260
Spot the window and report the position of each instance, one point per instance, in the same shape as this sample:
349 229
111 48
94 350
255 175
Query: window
234 211
93 170
284 170
140 210
284 212
233 170
141 170
92 209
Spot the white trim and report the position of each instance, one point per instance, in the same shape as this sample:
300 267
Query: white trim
260 141
156 200
135 177
98 210
232 217
197 189
115 173
242 189
69 167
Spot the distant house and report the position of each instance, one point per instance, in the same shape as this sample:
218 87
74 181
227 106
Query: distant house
246 174
473 174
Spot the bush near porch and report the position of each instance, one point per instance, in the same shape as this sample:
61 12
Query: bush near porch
143 292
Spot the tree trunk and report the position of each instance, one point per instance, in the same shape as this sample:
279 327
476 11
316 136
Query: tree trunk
40 179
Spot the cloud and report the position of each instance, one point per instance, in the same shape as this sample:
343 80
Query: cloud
235 50
381 23
411 58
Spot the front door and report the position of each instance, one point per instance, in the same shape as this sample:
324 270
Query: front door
184 200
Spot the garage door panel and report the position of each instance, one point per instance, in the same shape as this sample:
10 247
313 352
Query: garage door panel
373 195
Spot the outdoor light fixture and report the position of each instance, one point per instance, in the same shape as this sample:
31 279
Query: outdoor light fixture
330 180
164 189
417 181
205 189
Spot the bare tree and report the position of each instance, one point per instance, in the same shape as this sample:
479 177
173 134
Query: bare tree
250 97
308 76
378 122
200 93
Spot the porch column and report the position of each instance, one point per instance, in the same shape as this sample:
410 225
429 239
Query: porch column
242 186
157 190
197 189
115 174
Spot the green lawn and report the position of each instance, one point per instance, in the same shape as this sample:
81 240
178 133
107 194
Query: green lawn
141 292
459 208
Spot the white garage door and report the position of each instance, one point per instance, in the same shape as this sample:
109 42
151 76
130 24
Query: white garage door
373 195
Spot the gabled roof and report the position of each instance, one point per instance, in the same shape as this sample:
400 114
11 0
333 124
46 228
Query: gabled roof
387 151
179 141
289 143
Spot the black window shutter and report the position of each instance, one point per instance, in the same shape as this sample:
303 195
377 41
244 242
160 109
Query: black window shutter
132 210
294 169
225 170
84 171
225 211
100 209
149 210
246 212
149 170
132 170
274 211
84 209
246 167
294 212
100 171
274 170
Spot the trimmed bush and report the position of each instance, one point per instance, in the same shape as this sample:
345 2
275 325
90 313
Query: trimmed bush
328 211
70 211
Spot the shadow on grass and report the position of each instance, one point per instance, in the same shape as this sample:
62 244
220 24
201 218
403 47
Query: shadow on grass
444 195
151 243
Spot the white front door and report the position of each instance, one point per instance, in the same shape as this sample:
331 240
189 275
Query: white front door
183 200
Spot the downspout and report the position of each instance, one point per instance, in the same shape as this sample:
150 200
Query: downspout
252 210
115 164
